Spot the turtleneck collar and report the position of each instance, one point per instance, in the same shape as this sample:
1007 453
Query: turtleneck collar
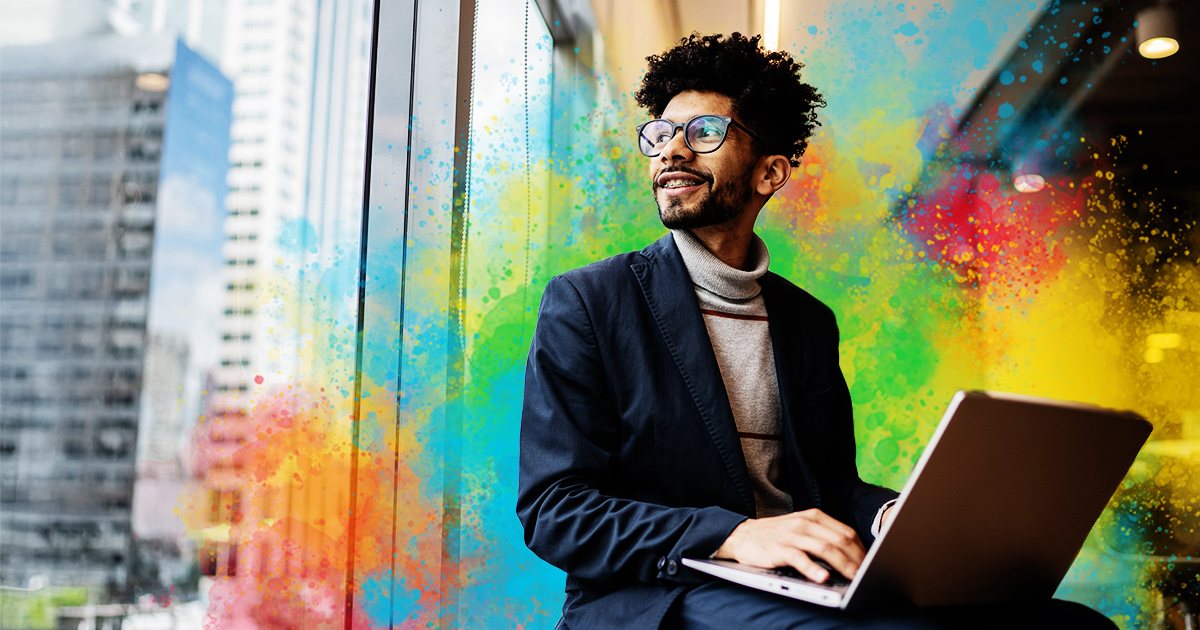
709 273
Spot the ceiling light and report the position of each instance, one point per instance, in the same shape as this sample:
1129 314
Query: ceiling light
1029 183
771 25
1156 33
152 82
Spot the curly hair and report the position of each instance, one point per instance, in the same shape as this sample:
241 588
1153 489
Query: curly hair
768 95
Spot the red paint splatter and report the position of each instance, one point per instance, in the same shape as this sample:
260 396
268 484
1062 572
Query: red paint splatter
991 235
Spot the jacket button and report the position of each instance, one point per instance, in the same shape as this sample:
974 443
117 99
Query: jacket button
662 562
672 567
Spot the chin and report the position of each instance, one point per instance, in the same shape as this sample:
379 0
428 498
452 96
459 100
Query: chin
698 214
675 216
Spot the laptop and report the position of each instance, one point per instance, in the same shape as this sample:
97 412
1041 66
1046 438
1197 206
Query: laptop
996 509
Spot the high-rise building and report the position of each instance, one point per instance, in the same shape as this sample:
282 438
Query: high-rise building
302 71
297 162
163 406
109 146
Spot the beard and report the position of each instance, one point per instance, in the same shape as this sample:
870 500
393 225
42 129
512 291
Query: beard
721 204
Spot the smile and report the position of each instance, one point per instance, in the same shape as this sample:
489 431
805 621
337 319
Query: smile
679 183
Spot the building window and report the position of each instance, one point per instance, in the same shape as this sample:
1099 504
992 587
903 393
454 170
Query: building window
16 280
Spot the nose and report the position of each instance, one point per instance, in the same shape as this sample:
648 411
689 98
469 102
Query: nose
676 149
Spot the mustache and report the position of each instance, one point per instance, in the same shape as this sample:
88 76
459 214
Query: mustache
679 169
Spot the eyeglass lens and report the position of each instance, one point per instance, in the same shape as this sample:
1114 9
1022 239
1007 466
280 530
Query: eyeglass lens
702 134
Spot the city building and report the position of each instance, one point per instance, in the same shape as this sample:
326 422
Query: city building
296 166
295 201
163 406
112 153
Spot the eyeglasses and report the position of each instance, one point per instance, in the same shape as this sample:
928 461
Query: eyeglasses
702 134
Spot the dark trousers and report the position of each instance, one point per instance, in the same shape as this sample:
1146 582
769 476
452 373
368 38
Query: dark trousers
720 605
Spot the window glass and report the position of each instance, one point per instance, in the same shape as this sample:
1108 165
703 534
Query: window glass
230 385
133 355
507 238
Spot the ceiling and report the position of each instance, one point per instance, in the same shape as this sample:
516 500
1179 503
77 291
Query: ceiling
1109 89
1096 90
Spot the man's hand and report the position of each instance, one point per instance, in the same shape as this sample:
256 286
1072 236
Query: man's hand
790 539
887 514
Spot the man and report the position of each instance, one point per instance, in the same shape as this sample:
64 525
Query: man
682 401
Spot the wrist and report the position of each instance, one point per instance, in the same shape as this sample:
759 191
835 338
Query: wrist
727 550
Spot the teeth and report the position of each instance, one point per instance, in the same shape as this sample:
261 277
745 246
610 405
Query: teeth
677 183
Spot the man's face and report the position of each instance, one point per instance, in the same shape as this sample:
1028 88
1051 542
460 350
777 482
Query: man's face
695 190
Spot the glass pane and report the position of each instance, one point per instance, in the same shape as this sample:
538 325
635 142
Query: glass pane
181 213
103 285
509 210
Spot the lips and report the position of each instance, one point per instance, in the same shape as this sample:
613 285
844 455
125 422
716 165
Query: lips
678 181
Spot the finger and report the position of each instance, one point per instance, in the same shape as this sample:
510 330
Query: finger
829 529
847 544
800 561
837 557
832 523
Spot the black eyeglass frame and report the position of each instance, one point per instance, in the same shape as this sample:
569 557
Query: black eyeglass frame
676 127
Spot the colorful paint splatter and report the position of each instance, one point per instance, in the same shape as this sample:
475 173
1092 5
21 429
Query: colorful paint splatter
942 275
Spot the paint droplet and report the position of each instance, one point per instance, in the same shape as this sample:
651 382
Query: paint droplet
258 379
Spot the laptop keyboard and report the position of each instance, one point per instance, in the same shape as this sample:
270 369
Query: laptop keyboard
835 578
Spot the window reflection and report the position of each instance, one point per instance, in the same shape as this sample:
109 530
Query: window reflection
150 201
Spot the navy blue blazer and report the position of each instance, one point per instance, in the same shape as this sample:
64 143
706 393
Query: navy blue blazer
630 458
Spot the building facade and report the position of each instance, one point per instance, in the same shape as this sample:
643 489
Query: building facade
87 143
301 70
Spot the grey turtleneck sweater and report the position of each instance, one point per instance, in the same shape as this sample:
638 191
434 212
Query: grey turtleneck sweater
736 317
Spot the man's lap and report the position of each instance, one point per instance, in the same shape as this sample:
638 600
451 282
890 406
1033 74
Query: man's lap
721 605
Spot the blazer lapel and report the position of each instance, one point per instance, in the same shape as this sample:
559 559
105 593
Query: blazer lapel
668 290
789 373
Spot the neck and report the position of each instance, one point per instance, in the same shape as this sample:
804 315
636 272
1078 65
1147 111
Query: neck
729 242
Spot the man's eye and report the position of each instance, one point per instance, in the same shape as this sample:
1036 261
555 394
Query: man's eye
710 133
662 138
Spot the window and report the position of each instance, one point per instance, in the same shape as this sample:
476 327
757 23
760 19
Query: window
75 146
32 190
16 148
15 281
99 190
8 190
105 145
139 187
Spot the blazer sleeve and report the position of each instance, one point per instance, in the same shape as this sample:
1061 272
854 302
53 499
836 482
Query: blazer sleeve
569 495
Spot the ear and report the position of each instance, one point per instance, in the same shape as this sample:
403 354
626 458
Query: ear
772 173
